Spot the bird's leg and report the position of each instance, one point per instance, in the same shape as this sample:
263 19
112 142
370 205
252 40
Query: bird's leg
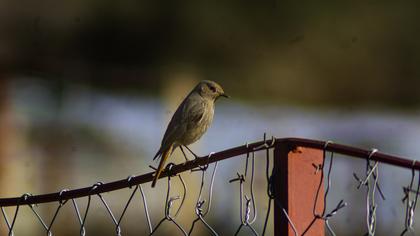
185 156
195 156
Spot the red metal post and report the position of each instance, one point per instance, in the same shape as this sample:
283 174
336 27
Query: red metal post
295 188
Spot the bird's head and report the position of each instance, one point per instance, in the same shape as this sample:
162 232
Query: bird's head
210 89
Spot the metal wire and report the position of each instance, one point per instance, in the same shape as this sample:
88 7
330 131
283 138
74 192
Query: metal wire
81 220
146 209
116 222
169 203
270 188
41 220
200 202
410 203
372 175
325 216
245 218
10 225
245 212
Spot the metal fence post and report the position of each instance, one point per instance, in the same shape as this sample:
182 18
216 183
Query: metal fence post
295 187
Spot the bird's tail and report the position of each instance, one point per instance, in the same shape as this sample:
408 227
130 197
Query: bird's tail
165 154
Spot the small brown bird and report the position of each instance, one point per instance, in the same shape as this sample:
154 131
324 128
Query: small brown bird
190 121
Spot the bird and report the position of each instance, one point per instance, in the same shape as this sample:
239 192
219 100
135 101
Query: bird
190 121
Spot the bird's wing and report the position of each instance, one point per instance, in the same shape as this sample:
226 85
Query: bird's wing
174 129
188 114
170 136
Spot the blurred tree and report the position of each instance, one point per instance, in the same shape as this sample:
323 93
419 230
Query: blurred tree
333 53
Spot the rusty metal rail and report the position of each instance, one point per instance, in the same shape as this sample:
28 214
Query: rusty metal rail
289 143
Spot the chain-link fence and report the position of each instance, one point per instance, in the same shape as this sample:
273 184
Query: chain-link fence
296 175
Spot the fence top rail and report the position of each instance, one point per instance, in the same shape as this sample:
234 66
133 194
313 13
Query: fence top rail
289 143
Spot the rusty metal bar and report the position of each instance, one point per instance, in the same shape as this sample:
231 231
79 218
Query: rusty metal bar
288 143
354 152
296 185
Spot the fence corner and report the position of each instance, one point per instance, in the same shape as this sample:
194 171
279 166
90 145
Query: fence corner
296 181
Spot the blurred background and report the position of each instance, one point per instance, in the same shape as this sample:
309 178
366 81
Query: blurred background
88 87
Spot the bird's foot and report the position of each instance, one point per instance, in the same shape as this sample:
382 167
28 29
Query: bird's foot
183 153
195 155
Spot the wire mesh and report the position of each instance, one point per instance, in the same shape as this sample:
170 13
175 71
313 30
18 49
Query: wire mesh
244 182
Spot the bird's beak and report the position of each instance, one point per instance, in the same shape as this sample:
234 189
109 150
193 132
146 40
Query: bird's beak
225 95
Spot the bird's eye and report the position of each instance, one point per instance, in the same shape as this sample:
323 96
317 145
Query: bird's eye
213 89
